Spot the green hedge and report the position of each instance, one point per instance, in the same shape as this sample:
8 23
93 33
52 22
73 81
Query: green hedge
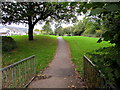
8 43
108 61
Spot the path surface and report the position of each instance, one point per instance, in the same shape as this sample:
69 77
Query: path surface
61 71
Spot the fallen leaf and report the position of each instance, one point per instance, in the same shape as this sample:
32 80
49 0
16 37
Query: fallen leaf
68 86
64 78
72 86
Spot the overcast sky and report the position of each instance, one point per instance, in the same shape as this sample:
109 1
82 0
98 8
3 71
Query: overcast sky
39 26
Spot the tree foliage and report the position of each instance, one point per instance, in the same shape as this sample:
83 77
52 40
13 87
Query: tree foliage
108 62
68 30
87 26
47 28
58 29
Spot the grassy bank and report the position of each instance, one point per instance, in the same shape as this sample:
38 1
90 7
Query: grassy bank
80 45
43 47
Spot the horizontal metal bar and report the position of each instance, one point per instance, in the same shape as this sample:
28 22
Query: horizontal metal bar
89 60
9 66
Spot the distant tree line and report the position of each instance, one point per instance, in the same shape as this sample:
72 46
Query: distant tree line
89 26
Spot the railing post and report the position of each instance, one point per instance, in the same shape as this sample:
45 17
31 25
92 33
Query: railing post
13 77
34 65
2 79
6 78
84 68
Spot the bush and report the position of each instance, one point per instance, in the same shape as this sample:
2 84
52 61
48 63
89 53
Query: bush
107 60
8 43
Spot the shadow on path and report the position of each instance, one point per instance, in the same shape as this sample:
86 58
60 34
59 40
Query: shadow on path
60 70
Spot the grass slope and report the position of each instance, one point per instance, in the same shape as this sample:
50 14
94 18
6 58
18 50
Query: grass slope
80 45
43 47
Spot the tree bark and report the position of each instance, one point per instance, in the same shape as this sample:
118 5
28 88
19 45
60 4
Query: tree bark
30 32
31 27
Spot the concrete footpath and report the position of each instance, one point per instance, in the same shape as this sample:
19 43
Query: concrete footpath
60 73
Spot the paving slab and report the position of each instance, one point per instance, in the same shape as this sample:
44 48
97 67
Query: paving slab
61 71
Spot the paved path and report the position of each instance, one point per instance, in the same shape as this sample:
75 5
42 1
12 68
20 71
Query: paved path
61 71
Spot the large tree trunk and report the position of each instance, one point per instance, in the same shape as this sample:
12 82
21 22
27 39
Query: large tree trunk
31 27
30 32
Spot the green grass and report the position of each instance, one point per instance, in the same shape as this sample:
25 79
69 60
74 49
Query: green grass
80 45
43 47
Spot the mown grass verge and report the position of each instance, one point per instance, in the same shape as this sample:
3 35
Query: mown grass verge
43 47
80 45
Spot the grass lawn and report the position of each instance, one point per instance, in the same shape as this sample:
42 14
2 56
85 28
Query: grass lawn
43 47
80 45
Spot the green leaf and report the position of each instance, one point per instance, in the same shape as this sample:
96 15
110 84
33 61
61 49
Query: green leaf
96 11
117 16
117 73
112 7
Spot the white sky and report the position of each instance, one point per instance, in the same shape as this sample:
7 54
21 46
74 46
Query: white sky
39 26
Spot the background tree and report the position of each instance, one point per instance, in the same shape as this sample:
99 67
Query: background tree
91 26
58 29
37 31
80 26
68 30
31 13
47 28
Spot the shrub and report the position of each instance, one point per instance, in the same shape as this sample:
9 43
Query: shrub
107 60
8 43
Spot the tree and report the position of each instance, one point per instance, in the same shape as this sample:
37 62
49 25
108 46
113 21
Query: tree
58 29
36 31
68 30
80 26
91 26
31 13
47 28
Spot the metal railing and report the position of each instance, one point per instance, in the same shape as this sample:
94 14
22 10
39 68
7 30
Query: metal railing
93 77
19 74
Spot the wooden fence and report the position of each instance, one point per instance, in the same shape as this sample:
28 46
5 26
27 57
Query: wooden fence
19 74
93 77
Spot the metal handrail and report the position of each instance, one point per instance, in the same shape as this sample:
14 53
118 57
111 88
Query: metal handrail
19 74
89 60
92 76
12 65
